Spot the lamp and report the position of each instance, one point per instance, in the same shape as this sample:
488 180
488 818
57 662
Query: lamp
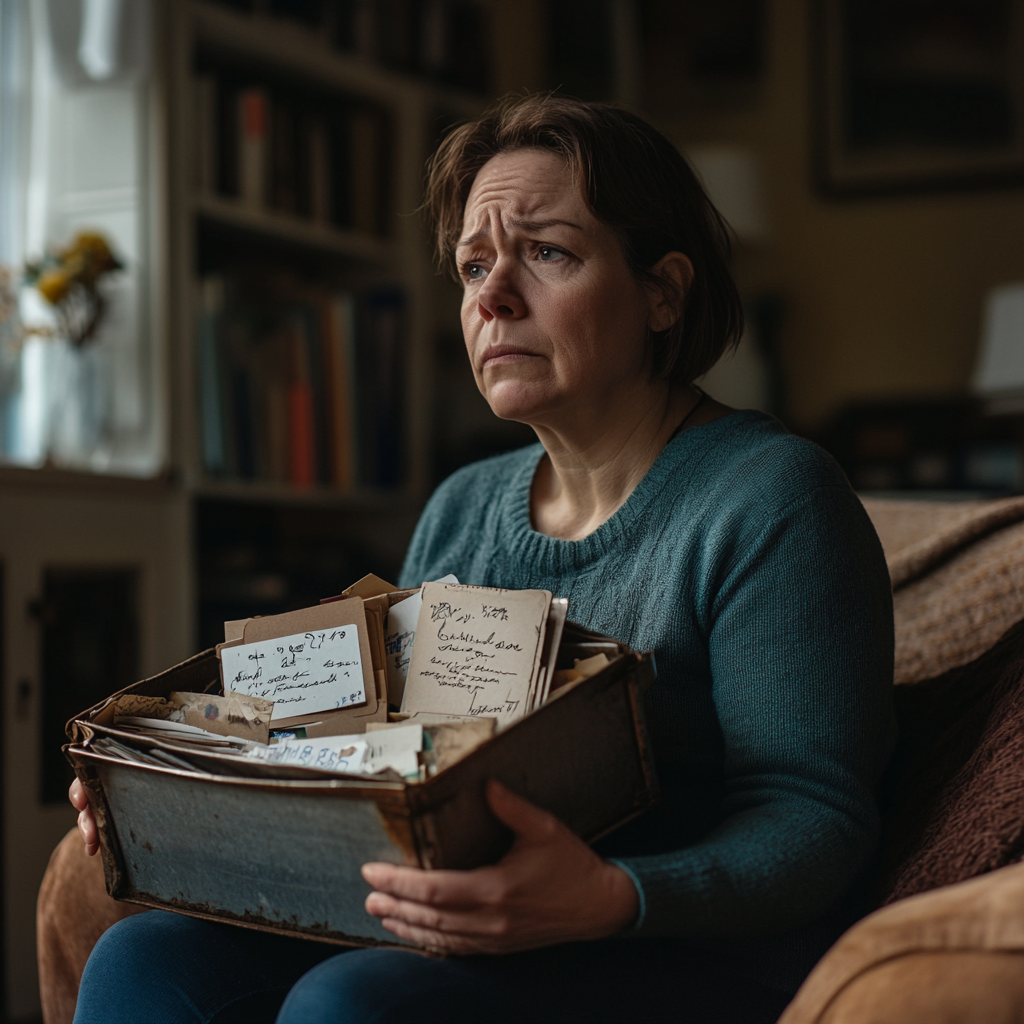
999 375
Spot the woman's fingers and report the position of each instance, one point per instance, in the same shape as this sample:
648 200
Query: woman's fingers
77 795
452 889
88 830
86 822
451 922
439 941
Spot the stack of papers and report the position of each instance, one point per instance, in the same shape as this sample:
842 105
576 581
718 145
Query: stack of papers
483 652
461 661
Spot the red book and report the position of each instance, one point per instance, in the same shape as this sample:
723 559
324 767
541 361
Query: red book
252 162
301 435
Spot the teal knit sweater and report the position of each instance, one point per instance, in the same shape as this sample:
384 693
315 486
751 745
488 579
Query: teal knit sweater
746 563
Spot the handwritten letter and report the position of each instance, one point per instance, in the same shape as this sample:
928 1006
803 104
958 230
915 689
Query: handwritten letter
477 651
302 674
399 635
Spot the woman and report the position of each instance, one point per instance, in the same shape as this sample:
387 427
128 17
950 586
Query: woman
596 290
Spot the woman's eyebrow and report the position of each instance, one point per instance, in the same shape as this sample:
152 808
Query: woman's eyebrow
525 225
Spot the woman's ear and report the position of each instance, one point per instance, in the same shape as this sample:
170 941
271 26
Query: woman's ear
669 298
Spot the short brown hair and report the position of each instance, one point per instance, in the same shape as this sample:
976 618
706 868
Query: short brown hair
635 181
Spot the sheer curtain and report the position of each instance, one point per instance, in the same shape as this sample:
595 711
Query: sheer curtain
73 157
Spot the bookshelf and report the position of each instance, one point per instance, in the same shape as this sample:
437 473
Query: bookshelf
220 231
243 248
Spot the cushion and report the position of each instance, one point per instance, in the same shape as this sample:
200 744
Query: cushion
953 799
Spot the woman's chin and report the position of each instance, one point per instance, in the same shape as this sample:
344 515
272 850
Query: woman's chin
522 404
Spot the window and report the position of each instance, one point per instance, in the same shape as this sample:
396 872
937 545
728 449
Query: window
74 141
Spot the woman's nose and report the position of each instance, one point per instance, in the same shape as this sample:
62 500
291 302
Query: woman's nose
499 299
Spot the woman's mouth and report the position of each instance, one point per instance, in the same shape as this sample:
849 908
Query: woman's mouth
501 354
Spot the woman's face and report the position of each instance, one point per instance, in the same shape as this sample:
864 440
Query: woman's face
552 317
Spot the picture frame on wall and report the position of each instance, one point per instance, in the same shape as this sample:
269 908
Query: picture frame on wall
917 95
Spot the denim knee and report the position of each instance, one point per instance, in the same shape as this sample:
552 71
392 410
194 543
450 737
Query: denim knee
128 972
365 986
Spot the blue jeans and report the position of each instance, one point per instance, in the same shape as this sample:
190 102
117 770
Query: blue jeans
162 968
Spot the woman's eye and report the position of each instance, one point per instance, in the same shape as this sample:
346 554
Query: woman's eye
549 254
474 272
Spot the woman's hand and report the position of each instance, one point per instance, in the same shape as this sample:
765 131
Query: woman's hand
86 822
549 888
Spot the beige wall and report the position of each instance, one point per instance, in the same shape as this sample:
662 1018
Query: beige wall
885 294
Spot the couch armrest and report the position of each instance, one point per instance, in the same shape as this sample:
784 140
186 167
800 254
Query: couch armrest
72 912
950 956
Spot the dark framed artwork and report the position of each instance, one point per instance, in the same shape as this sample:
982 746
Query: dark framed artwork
917 95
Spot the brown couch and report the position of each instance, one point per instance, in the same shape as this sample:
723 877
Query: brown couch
947 945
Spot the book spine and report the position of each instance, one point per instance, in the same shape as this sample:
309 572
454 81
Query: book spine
339 163
301 416
385 313
252 163
304 144
365 142
337 377
228 139
301 442
245 441
320 173
284 157
277 429
205 144
211 307
312 321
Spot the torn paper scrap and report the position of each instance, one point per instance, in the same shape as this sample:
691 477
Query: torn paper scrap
133 705
302 674
398 749
332 754
230 715
358 753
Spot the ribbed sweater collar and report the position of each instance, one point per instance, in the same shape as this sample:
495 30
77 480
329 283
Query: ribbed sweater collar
539 553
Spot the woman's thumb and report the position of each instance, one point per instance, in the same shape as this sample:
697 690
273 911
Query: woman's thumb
524 818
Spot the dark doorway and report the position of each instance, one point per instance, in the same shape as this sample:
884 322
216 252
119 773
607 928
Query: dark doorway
90 649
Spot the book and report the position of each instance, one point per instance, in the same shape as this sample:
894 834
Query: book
364 128
381 360
339 325
211 305
300 385
205 144
228 134
285 161
302 461
318 150
252 152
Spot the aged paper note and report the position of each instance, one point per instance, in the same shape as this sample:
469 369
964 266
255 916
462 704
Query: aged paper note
477 651
305 673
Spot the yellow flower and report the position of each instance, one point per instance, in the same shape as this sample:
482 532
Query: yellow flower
53 285
90 256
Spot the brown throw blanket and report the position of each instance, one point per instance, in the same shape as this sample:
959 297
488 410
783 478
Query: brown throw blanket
958 578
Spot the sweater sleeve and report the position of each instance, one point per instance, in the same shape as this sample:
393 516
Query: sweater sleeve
797 614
